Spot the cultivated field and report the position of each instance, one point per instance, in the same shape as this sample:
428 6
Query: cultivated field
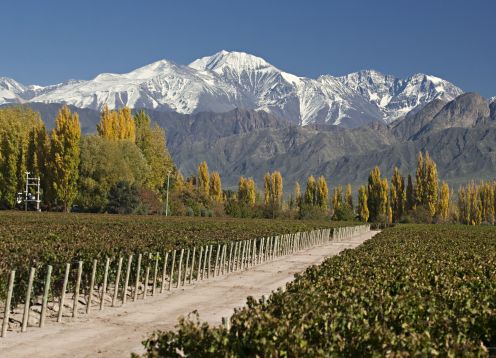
428 289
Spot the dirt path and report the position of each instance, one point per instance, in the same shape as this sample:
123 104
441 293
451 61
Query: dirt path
116 332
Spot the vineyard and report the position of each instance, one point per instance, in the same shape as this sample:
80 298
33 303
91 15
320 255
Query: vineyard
417 288
57 262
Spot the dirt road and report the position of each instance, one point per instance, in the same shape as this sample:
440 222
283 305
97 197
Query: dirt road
116 332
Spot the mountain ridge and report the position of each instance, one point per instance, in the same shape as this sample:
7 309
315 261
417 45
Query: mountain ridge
228 80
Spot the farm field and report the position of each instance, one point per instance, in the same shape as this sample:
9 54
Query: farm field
32 241
118 331
423 289
40 238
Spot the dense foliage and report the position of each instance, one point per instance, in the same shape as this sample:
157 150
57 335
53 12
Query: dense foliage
425 290
55 238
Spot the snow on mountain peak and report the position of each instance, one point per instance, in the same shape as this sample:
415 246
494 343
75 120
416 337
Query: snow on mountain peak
233 60
231 79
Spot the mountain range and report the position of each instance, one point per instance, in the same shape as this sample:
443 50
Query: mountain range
246 117
229 80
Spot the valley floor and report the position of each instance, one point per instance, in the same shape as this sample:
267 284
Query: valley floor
116 332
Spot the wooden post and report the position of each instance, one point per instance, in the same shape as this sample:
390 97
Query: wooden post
243 255
117 279
25 317
209 260
64 288
155 273
76 291
199 265
216 265
229 262
205 258
164 272
147 276
6 316
186 267
105 279
46 290
172 269
179 268
92 284
235 257
136 284
126 281
192 265
223 260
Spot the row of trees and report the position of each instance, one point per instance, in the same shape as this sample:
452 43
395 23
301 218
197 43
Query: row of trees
78 169
394 201
126 165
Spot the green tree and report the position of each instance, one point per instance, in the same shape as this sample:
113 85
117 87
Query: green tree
103 164
377 195
397 195
310 197
152 143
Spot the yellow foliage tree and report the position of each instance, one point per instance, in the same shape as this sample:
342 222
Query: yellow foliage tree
348 196
215 187
363 209
322 193
309 198
203 179
444 201
65 158
117 124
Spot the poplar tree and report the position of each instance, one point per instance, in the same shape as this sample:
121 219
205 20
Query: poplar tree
246 191
152 143
348 196
322 193
215 187
419 180
363 209
117 124
410 194
297 194
337 197
431 185
267 185
203 179
65 138
397 195
309 198
377 194
444 201
277 189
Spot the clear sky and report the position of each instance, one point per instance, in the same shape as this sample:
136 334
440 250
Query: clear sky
50 41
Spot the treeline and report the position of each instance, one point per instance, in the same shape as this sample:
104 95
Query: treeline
126 168
122 168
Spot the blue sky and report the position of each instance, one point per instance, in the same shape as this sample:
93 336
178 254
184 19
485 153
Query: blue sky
50 41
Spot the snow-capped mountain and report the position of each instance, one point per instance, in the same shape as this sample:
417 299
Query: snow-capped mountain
229 80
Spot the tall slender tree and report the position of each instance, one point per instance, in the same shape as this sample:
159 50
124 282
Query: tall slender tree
322 193
65 156
363 209
203 179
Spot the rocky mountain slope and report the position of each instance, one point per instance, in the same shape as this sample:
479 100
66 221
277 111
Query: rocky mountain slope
460 135
229 80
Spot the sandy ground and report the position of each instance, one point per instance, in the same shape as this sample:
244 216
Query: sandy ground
118 331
